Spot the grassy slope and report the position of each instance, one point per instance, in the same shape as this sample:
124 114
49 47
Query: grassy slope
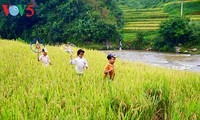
149 19
28 90
191 9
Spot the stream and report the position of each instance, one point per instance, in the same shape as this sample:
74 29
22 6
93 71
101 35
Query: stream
169 60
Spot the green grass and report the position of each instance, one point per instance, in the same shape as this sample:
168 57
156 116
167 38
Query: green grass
150 37
144 22
28 90
141 25
128 31
145 13
142 28
129 37
140 10
145 17
190 8
195 19
194 16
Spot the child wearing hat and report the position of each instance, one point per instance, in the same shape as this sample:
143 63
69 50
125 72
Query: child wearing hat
109 68
80 62
45 58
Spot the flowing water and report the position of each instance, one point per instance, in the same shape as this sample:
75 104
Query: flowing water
169 60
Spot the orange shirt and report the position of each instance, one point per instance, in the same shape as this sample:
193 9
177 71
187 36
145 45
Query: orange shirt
111 73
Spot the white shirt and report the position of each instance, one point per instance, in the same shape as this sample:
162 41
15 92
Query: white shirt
44 59
80 63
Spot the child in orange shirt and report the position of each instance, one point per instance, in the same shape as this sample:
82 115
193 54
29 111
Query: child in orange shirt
109 68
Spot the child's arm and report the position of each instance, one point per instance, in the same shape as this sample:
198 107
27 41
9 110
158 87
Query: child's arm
38 56
107 69
72 61
49 61
38 48
86 64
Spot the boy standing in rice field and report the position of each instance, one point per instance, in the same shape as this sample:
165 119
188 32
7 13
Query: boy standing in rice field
80 62
109 68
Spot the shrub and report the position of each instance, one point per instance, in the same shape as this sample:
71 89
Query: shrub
175 31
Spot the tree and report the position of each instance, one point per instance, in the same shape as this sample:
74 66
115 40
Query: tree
59 21
175 31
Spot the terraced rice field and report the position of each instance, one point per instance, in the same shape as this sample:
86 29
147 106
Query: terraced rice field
142 19
194 17
147 19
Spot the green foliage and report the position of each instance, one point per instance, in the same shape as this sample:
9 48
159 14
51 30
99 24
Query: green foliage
160 45
195 36
149 20
59 21
139 40
144 3
189 8
175 31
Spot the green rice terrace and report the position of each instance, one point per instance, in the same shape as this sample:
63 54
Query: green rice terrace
149 19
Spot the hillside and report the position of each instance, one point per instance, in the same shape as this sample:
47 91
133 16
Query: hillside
60 21
147 20
191 9
28 90
143 4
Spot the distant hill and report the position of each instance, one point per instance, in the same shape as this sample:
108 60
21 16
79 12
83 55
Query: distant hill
146 16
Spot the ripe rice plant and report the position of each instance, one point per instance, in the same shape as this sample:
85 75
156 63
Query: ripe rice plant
29 90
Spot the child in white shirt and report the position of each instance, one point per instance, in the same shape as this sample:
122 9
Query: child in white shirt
80 62
45 58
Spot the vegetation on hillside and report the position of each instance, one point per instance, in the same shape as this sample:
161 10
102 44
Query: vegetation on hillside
143 25
177 31
189 8
29 90
138 4
59 21
101 24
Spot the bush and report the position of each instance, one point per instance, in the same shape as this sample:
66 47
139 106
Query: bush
140 43
175 31
195 36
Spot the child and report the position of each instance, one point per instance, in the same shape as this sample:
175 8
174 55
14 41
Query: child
109 68
44 58
80 62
